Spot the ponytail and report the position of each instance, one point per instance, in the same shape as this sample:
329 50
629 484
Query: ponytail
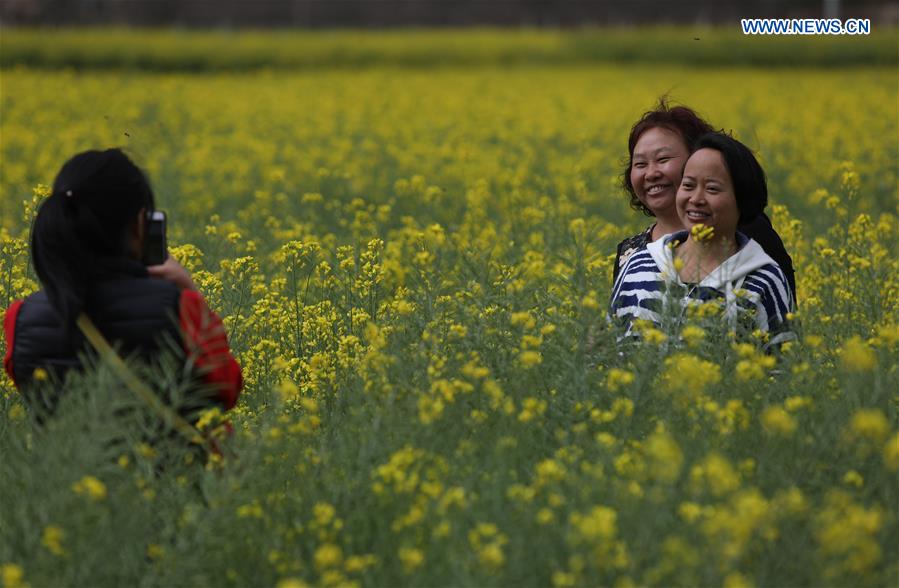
59 259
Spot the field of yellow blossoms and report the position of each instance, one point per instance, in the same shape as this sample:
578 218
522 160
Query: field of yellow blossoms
414 265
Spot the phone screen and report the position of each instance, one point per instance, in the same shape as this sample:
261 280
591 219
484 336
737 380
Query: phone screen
155 249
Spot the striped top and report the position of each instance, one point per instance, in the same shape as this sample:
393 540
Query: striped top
748 289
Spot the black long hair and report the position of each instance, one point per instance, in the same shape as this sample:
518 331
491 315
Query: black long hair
89 215
747 175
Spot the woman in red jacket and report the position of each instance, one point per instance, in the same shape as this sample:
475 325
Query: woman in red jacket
87 246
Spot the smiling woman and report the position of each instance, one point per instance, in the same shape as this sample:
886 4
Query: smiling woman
711 262
704 201
658 147
658 161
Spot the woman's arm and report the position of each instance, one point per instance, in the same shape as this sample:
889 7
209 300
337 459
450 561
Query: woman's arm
9 329
636 293
172 271
627 248
763 232
206 342
774 303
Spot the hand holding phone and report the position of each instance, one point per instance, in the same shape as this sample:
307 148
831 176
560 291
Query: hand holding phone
174 272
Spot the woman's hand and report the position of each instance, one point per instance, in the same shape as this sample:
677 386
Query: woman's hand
172 271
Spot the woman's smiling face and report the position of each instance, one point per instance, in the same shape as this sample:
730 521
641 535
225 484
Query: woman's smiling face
657 165
706 195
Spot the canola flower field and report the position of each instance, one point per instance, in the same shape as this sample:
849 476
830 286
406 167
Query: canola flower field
414 267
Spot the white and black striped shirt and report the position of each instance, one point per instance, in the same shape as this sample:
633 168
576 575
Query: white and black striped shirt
749 286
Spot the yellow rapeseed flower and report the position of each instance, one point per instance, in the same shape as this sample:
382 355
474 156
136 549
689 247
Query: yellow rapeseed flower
404 307
564 579
358 563
411 558
550 471
857 356
529 359
208 417
91 487
52 539
888 334
146 451
291 583
777 421
155 551
287 390
891 453
846 533
13 576
790 501
523 319
716 474
687 374
693 335
737 580
814 341
487 542
590 302
545 516
601 522
618 378
794 403
251 510
665 456
324 513
530 342
702 233
754 366
689 511
853 478
531 408
327 556
653 336
491 556
16 413
870 424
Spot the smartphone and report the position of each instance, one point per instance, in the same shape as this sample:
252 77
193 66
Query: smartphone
155 248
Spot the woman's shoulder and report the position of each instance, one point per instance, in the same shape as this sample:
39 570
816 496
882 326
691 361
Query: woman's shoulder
9 319
631 245
640 268
769 274
757 263
770 284
636 241
35 306
137 288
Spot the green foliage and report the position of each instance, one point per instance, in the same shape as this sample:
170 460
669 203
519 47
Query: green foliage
413 267
173 50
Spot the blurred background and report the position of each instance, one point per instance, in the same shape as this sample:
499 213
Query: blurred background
429 13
